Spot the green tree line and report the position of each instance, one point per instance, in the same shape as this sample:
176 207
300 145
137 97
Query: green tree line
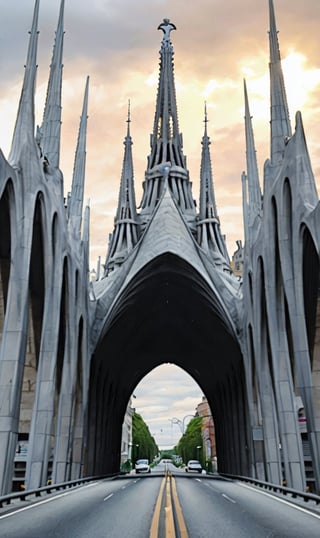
143 444
188 444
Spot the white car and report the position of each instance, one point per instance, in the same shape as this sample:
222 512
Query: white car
142 466
194 465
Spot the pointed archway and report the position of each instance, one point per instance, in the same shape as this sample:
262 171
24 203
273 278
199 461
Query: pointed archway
168 313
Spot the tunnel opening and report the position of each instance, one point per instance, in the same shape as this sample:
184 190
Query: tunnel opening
167 313
178 419
167 399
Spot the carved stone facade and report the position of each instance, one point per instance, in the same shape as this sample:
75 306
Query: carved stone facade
73 350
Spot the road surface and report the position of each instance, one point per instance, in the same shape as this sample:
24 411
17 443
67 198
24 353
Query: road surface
159 505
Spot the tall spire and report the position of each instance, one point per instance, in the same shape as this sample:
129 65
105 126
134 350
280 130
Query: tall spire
125 234
51 126
77 189
209 234
166 141
280 122
25 123
254 191
166 128
208 207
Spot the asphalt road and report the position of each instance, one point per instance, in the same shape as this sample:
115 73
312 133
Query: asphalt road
112 508
125 508
217 508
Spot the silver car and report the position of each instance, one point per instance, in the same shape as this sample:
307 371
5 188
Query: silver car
194 465
142 466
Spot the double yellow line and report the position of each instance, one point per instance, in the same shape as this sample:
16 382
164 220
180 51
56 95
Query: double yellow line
171 507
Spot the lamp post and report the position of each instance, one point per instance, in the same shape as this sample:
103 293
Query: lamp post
181 423
134 453
198 452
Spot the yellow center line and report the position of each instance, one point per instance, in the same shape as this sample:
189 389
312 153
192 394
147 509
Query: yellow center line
180 518
156 515
172 505
170 530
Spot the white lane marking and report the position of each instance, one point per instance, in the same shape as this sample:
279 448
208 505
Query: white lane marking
222 494
108 497
297 507
228 498
44 501
199 479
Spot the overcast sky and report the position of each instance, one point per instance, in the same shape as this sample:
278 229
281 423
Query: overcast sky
116 43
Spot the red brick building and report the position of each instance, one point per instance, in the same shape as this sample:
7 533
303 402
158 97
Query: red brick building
208 432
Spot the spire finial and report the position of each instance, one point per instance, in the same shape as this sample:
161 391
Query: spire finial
205 118
205 112
128 118
166 26
129 112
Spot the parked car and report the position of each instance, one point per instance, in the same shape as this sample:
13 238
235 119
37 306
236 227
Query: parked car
142 466
194 465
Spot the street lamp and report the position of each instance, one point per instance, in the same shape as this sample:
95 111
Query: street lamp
180 423
133 452
198 453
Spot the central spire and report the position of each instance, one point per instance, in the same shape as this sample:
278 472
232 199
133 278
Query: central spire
166 141
166 126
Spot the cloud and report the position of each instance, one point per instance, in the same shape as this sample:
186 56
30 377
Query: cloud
167 398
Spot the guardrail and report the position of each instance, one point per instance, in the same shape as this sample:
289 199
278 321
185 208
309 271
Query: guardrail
276 488
22 495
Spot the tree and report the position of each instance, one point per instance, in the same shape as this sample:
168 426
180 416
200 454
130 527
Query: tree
143 444
188 444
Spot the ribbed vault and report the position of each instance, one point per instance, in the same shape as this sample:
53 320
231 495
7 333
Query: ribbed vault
167 313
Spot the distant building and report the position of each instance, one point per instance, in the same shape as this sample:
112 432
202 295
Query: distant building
238 260
126 440
207 431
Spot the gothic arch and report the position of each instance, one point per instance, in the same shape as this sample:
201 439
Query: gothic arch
54 234
36 293
311 295
37 274
311 292
5 248
168 313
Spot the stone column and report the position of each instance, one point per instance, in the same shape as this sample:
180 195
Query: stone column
40 438
12 357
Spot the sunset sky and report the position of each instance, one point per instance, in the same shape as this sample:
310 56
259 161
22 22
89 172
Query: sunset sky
116 43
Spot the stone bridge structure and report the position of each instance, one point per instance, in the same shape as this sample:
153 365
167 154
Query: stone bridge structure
72 351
